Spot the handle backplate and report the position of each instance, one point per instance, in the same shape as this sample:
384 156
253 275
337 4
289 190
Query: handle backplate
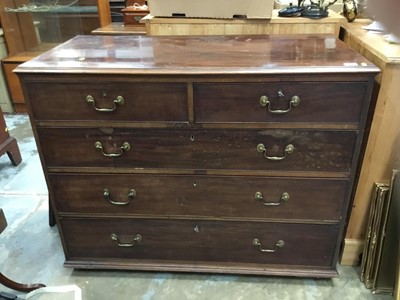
259 197
107 196
265 102
124 148
116 102
136 239
279 244
289 149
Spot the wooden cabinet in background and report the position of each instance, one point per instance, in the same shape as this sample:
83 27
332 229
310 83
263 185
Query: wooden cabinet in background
14 87
32 27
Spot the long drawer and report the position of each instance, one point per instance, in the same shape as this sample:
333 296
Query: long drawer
320 102
186 240
289 150
200 196
109 101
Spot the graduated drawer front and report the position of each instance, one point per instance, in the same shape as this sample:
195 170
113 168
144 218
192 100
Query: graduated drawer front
198 149
206 196
195 240
142 101
321 102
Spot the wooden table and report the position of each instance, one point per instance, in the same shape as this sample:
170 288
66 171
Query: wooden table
8 282
118 28
206 26
275 25
384 138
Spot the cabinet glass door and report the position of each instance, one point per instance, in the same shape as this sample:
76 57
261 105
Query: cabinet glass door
38 25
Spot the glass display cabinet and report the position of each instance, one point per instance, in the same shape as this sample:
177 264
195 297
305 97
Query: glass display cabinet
34 26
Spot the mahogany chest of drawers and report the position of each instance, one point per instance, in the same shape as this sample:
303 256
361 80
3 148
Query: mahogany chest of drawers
204 154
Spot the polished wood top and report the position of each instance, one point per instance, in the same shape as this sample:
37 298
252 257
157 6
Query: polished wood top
186 55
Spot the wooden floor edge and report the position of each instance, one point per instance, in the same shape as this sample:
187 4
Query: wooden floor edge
352 251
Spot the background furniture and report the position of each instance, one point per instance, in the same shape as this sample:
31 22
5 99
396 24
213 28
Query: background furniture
384 138
115 8
204 26
28 34
276 25
5 101
396 208
117 26
8 282
8 144
3 221
151 133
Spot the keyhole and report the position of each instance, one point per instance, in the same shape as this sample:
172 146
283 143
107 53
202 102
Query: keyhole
196 229
280 94
194 183
104 93
192 138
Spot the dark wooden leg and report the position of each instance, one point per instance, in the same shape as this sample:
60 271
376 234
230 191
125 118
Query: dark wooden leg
26 288
52 219
10 147
13 152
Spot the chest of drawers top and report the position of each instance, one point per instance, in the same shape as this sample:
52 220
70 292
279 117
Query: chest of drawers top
200 55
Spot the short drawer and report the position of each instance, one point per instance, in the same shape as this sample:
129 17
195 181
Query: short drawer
321 102
145 101
317 200
199 240
289 150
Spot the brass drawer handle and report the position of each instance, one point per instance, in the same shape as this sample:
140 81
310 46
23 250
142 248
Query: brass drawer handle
259 197
119 101
136 239
125 147
289 149
264 102
131 195
279 244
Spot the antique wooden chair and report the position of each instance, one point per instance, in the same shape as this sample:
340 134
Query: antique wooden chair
8 282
